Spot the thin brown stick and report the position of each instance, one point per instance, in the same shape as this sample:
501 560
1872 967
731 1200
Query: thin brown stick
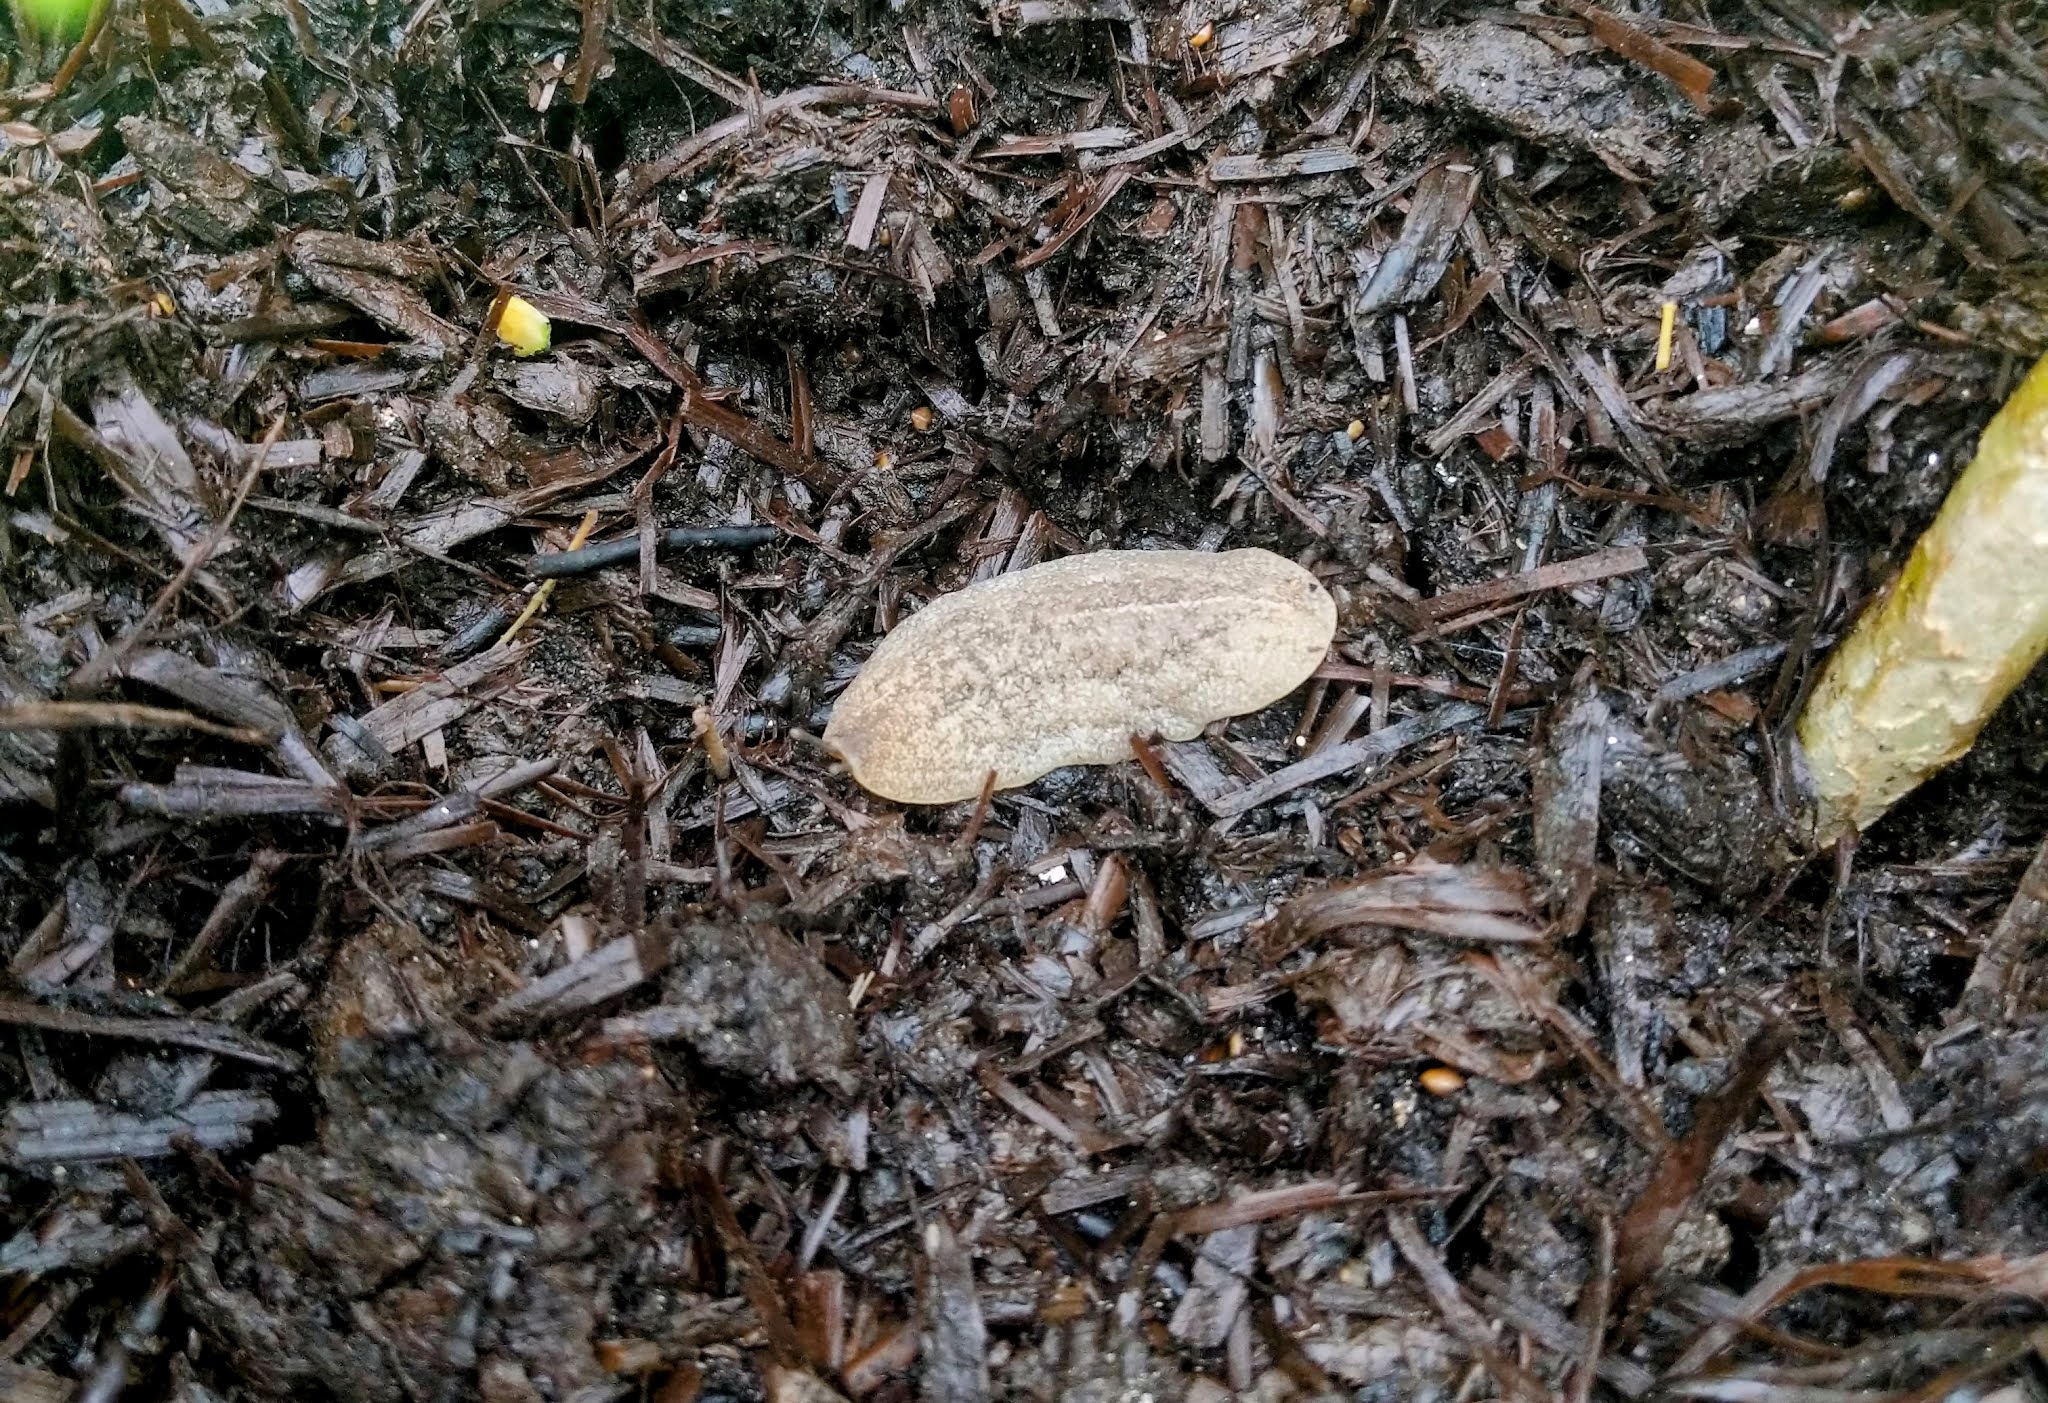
194 1033
1686 73
973 829
1148 761
708 415
1460 1314
236 900
1647 1226
120 716
196 34
1599 1301
1442 611
75 60
1081 219
109 659
1504 681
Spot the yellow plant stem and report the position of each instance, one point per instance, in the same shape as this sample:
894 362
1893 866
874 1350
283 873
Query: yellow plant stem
1964 622
540 597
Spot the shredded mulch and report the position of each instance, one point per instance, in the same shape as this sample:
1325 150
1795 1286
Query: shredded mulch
441 961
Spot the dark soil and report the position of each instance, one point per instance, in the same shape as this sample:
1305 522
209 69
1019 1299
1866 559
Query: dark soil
407 1003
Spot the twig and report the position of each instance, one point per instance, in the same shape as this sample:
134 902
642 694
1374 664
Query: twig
103 664
1441 612
75 60
968 835
583 984
85 1132
1471 903
708 415
1686 73
235 900
547 587
194 1033
1105 191
588 560
1340 758
120 716
1466 1323
206 794
1646 1228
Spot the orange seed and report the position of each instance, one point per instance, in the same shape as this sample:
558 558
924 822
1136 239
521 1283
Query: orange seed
1442 1081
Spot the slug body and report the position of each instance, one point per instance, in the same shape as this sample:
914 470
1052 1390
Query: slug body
1063 663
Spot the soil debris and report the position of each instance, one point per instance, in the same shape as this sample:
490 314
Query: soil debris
443 961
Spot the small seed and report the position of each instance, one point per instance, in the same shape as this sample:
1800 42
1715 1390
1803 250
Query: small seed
921 418
523 327
960 109
1442 1081
1200 38
1355 430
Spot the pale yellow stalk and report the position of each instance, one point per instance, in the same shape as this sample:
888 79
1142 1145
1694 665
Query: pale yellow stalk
1966 619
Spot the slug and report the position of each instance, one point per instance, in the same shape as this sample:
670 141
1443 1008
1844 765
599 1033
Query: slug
1063 663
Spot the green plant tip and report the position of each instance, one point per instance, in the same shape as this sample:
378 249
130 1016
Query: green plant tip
56 19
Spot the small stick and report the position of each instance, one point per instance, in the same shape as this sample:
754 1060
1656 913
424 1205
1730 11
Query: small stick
1598 1302
1503 684
1646 1228
235 901
1440 612
1148 761
1311 708
712 417
203 43
721 849
972 831
588 560
121 716
540 596
109 659
75 60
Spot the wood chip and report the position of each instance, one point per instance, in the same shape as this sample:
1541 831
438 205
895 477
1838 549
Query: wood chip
84 1132
867 212
1315 160
1444 609
1485 905
1340 759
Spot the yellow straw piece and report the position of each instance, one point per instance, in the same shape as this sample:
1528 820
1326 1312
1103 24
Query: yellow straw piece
1664 335
547 587
1966 619
524 327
